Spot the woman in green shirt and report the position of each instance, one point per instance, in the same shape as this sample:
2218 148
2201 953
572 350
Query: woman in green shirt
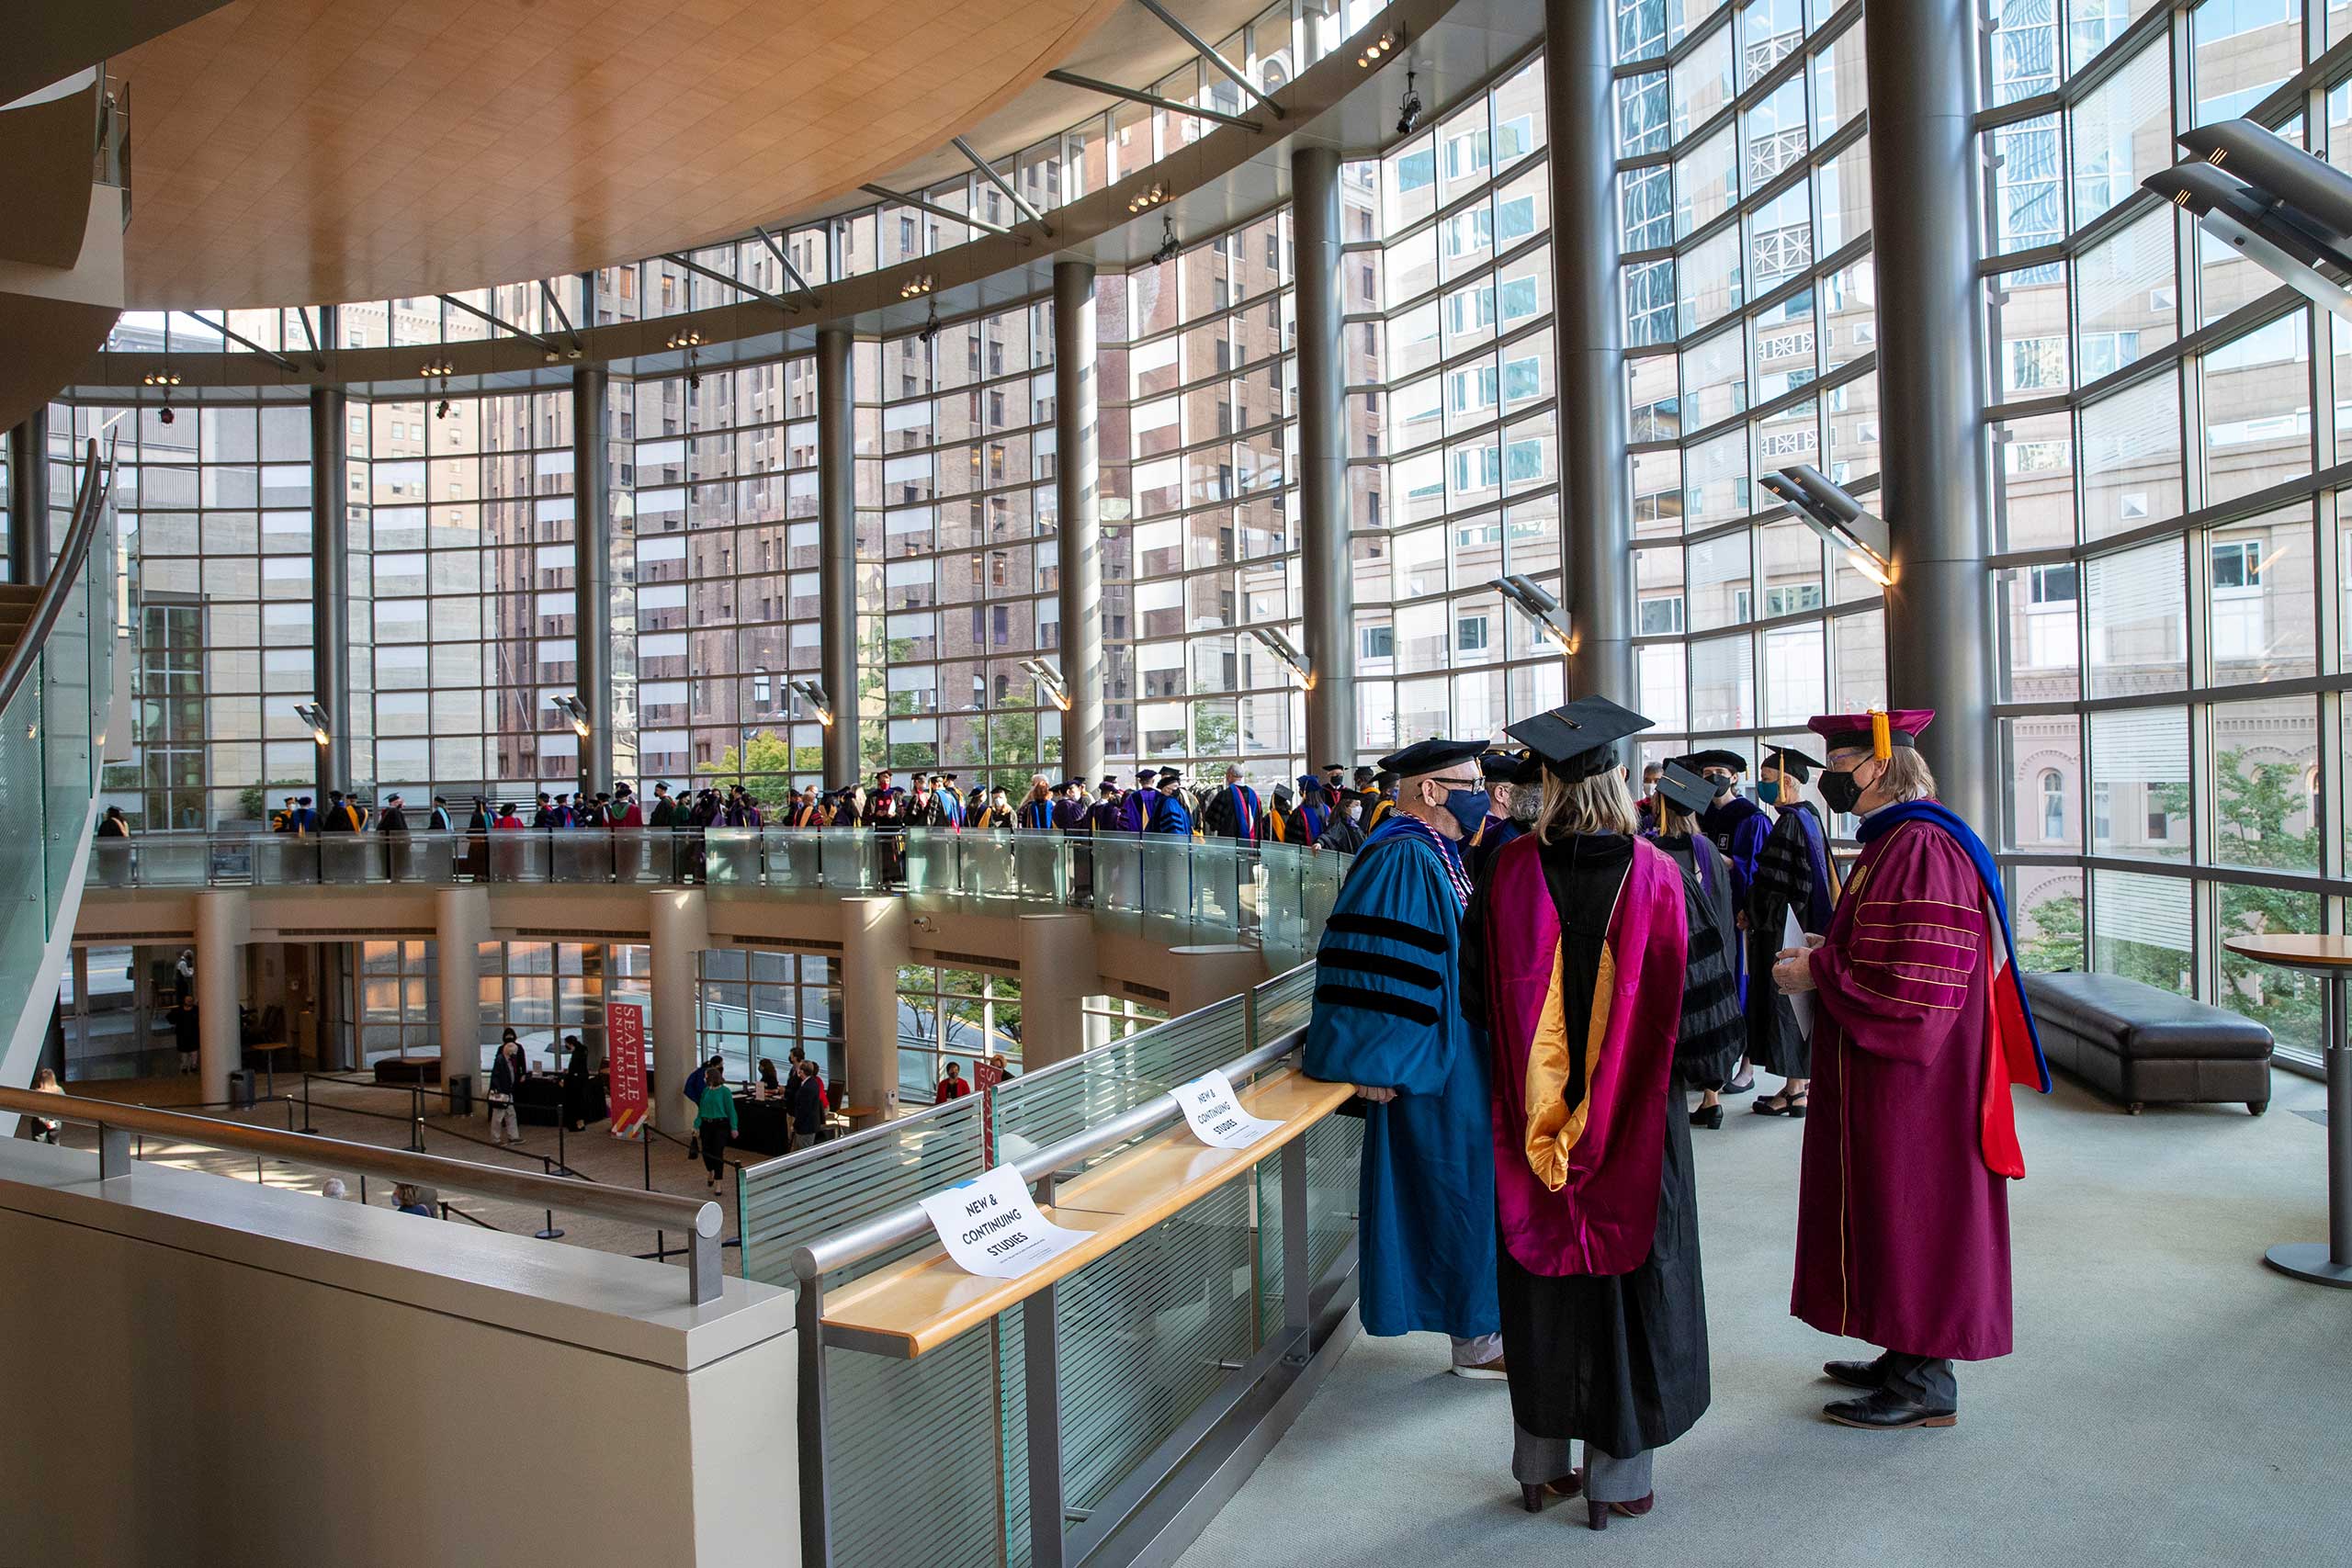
715 1121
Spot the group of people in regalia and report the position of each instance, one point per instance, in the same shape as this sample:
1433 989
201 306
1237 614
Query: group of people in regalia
1526 974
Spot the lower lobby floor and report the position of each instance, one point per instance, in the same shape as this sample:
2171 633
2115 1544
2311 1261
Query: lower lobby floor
2171 1399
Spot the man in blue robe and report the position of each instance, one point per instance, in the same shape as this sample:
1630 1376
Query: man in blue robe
1168 812
1388 1020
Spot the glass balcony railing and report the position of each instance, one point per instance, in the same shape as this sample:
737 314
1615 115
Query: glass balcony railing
58 686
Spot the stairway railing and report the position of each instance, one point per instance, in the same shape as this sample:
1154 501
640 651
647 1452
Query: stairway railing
56 688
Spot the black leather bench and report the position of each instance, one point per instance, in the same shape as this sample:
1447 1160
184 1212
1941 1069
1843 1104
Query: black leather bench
2146 1046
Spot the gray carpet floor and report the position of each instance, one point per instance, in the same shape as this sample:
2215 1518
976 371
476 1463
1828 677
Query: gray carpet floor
2171 1400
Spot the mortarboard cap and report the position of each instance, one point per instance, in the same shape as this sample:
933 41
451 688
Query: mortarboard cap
1578 739
1310 780
1699 761
1796 764
1879 730
1684 790
1511 767
1425 757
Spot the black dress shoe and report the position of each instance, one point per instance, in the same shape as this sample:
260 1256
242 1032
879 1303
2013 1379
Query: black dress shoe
1884 1412
1708 1116
1855 1374
1740 1085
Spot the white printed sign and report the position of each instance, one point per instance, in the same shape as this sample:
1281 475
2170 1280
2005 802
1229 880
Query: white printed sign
1216 1113
990 1226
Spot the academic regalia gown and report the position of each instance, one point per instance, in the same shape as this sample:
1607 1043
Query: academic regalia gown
1792 874
1714 1033
1493 835
1739 828
1902 1218
1389 1014
1575 960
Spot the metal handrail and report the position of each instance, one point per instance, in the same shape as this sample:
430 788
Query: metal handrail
64 578
701 1218
845 1247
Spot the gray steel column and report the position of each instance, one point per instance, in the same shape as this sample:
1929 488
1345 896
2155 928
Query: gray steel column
837 552
591 570
1931 349
1077 490
330 585
1596 502
1327 587
29 498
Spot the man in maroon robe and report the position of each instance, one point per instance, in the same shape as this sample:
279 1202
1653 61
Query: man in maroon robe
1919 1030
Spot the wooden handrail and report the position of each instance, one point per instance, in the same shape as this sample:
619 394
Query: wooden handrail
914 1306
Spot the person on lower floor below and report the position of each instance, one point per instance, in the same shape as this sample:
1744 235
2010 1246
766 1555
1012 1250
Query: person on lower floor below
1387 1018
1920 1028
507 1071
715 1122
1573 961
186 1034
807 1104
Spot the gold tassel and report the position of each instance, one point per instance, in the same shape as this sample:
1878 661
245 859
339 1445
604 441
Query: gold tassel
1882 741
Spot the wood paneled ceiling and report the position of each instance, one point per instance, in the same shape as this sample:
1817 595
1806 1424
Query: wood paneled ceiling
300 152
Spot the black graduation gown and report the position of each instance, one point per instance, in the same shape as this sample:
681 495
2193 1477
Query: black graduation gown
1786 877
1618 1360
1714 1033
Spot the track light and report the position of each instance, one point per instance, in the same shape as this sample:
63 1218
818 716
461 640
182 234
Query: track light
433 369
314 717
1168 248
1831 511
1152 196
441 409
1381 47
160 379
930 328
915 288
1536 603
688 339
1408 113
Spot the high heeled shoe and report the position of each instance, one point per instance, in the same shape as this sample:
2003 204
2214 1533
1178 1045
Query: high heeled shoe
1709 1116
1597 1513
1532 1495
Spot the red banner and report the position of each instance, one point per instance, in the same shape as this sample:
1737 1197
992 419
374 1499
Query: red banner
625 1059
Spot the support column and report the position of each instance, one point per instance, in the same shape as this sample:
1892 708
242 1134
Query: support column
873 944
29 499
1058 973
1077 491
679 930
1596 502
461 925
1930 348
222 926
1327 586
837 553
591 570
331 585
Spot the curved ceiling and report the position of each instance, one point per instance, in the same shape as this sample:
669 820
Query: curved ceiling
297 152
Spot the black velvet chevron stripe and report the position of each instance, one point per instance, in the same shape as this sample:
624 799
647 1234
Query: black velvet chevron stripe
1381 964
1394 1006
1381 926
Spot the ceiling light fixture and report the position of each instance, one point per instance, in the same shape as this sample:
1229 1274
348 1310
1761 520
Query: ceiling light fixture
160 379
315 717
812 694
1049 680
1536 603
1831 511
1282 648
574 709
930 328
688 339
1167 247
1381 47
1408 113
1152 196
915 288
2285 210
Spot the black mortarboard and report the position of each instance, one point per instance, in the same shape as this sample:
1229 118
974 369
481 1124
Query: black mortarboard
1686 791
1796 764
1424 757
1578 739
1511 767
1169 776
1699 761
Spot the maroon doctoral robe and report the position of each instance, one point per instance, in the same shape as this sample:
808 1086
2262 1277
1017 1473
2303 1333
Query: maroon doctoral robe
1903 1227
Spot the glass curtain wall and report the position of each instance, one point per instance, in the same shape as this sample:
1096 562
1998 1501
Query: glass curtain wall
1453 435
1743 182
956 573
2168 560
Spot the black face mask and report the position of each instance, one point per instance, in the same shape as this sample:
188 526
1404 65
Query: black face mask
1839 790
1721 785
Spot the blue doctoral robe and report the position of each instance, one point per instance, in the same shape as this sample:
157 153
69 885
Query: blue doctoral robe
1389 1014
1738 826
1170 815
